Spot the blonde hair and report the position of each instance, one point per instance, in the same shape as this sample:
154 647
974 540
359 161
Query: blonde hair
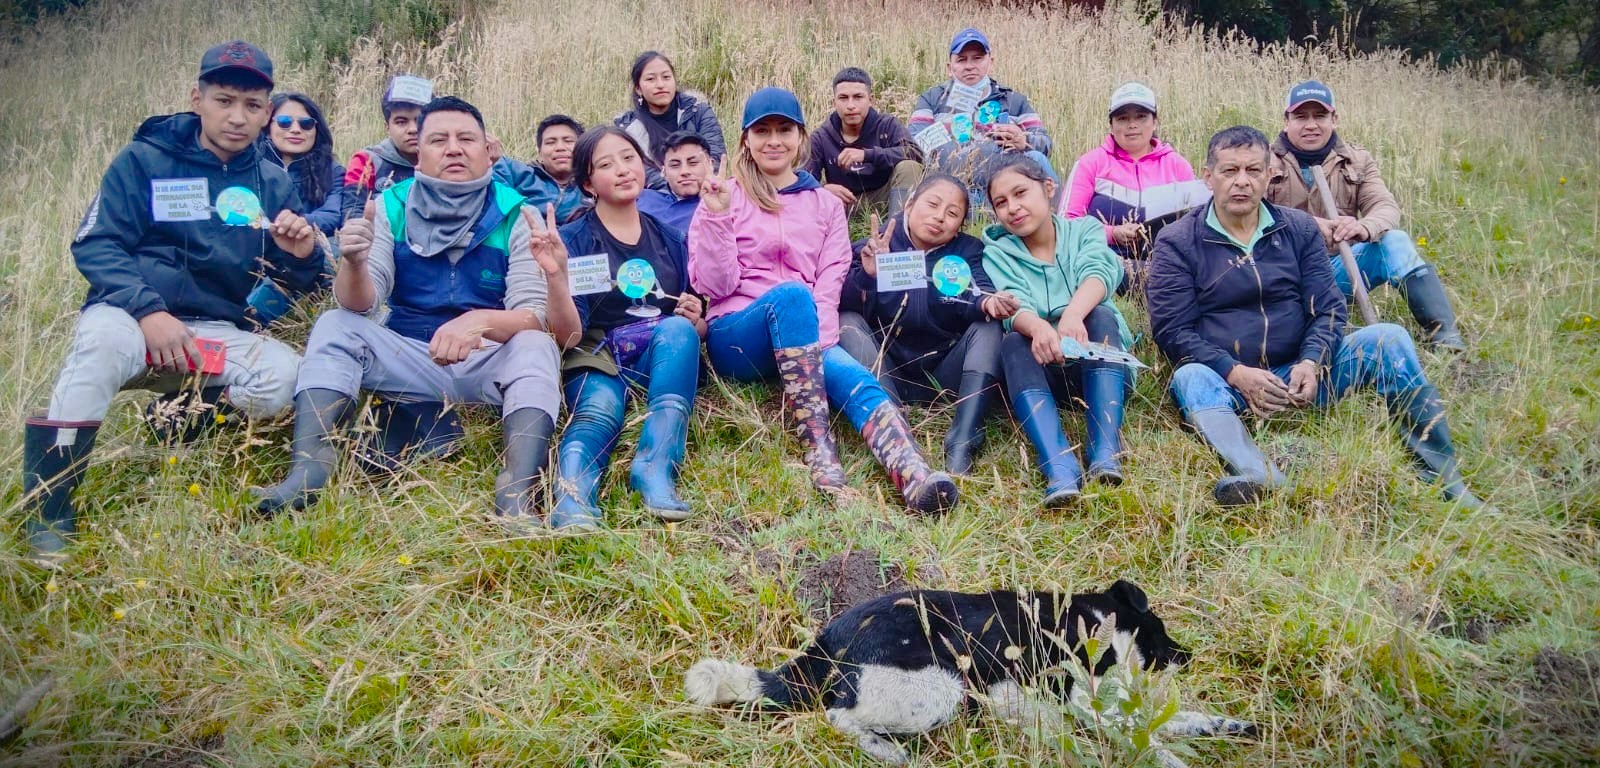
755 184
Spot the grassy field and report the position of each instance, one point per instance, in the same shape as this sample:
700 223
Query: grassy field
1359 619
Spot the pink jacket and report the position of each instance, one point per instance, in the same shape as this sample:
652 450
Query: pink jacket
740 254
1108 163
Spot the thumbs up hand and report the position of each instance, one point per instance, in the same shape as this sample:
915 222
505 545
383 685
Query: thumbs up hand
355 237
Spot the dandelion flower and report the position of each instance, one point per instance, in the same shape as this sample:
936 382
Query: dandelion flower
194 489
172 461
1562 180
220 419
403 559
119 614
51 587
141 583
1422 241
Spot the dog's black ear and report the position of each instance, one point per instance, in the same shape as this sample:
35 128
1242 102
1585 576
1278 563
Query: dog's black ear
1129 594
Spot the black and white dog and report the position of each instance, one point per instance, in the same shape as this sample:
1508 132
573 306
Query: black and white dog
906 663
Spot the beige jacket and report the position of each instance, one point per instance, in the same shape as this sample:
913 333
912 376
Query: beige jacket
1353 178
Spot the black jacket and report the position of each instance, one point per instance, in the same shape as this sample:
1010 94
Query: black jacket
884 139
201 269
1211 304
922 320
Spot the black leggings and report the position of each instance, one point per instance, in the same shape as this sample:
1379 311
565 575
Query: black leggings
1064 380
923 378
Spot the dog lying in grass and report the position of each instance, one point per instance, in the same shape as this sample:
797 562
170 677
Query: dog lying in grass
909 662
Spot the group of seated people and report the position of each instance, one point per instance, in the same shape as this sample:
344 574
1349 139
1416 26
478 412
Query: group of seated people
598 272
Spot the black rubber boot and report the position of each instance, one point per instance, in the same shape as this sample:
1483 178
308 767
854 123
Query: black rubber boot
1431 307
527 434
1036 411
50 473
1103 389
965 438
318 414
182 417
1420 413
1253 475
407 432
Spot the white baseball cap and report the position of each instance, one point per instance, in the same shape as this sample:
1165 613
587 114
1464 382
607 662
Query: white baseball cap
1133 94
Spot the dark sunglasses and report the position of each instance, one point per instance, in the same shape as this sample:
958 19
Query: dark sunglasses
284 121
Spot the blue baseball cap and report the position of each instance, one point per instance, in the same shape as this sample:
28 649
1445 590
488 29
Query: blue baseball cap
967 37
772 102
1307 92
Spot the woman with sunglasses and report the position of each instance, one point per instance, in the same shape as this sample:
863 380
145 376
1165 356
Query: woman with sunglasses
298 139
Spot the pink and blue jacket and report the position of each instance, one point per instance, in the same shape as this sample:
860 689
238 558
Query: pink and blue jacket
738 255
1107 183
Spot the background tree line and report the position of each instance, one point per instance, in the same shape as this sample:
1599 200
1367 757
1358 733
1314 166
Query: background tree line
1560 37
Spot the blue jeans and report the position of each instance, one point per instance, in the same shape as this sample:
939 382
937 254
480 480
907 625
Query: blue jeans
741 347
597 401
1379 356
1388 260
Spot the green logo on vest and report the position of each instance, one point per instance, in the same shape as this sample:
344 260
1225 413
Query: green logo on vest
492 279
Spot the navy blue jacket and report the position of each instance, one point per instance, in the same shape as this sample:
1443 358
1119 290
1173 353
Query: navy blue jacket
581 236
1211 304
325 214
196 270
431 291
883 140
922 320
669 209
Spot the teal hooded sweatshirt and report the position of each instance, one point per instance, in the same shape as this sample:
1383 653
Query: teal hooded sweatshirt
1081 253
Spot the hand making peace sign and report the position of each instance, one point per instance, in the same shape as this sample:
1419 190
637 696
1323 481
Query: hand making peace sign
546 245
716 193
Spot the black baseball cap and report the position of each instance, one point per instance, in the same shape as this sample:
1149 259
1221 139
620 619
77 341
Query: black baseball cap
238 55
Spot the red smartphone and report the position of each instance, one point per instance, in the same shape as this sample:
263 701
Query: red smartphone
213 355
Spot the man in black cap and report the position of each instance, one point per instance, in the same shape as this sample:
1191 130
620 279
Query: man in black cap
186 222
1368 218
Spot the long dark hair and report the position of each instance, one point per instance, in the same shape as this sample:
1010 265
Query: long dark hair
320 181
652 129
639 63
583 152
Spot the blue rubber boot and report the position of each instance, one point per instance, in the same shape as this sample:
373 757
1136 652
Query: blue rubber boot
662 443
1036 411
579 463
1103 387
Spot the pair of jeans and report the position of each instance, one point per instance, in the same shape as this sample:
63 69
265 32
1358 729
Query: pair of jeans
741 346
1386 261
1380 356
1063 380
924 378
597 401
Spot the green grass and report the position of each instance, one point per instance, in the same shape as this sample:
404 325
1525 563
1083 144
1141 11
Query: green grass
1358 618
